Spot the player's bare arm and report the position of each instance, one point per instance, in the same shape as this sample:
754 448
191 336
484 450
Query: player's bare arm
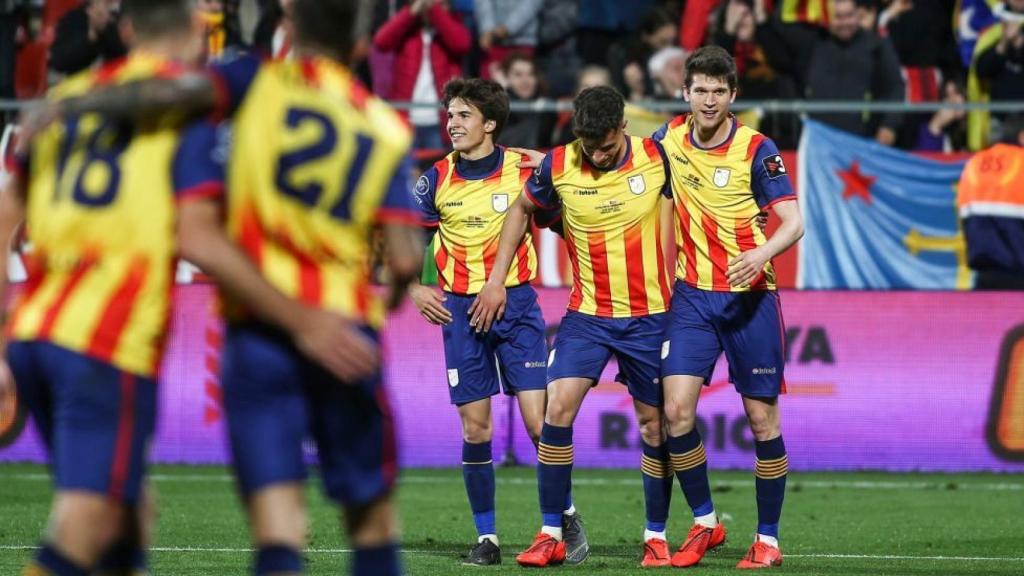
744 268
403 256
12 214
326 337
490 302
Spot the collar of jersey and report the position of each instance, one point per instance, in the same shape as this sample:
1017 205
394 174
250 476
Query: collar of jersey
497 168
732 132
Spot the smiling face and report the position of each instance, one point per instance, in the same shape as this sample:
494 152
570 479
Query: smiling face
522 79
466 126
709 100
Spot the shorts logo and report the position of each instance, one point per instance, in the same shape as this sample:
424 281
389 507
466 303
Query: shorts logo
721 177
773 166
499 202
763 371
665 347
540 364
637 184
453 377
551 357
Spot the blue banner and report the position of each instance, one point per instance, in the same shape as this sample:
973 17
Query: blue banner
876 217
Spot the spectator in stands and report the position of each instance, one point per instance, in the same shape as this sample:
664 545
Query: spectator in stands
506 26
588 77
1002 65
946 129
87 35
667 68
990 198
557 56
628 58
844 63
525 129
273 35
603 22
429 43
221 37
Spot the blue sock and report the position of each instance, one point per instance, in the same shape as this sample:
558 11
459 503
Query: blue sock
770 471
554 471
656 470
277 559
478 475
691 467
125 556
379 561
52 562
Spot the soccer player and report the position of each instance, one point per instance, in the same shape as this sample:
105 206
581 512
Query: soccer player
86 334
609 187
464 198
312 163
725 299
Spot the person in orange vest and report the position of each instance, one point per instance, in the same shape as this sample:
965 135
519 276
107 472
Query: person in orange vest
991 205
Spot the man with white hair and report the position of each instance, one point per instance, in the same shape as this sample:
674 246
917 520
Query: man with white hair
667 68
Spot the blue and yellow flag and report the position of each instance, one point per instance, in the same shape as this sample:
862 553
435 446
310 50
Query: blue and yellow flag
877 217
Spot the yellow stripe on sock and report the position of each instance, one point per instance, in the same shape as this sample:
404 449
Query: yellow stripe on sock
771 469
654 467
689 460
555 455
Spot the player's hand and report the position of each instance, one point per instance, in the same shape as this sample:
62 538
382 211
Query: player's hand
331 340
430 303
762 220
746 267
532 158
488 307
33 120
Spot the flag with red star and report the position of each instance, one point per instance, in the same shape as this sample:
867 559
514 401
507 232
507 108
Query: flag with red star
876 217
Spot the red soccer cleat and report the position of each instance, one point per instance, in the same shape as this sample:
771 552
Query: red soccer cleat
761 555
544 551
655 554
698 542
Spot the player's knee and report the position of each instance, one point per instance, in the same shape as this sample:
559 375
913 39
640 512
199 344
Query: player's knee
559 412
476 431
91 520
372 524
650 429
763 425
681 416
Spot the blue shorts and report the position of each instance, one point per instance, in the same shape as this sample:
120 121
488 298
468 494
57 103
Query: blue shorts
275 398
95 419
747 326
585 343
515 347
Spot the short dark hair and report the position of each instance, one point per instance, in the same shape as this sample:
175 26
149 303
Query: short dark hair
713 62
151 18
487 96
327 24
655 19
597 111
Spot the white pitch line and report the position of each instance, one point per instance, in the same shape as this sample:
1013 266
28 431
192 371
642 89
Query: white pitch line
794 481
197 549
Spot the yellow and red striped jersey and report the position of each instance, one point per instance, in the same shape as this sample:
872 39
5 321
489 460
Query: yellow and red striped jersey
100 219
312 163
468 205
718 194
612 227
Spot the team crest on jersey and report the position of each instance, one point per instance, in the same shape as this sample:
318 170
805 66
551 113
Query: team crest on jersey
637 184
721 177
499 202
422 186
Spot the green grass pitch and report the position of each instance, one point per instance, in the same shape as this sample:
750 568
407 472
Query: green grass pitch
851 524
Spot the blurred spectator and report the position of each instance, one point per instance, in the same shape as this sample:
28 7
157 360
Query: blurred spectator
86 35
946 129
221 38
990 198
844 63
603 22
1002 65
667 68
693 24
273 35
588 77
556 55
429 42
628 58
506 26
525 129
922 34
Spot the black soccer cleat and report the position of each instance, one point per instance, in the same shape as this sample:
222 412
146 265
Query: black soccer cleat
577 549
484 553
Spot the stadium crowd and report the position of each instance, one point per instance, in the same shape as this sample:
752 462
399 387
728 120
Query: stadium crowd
825 50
